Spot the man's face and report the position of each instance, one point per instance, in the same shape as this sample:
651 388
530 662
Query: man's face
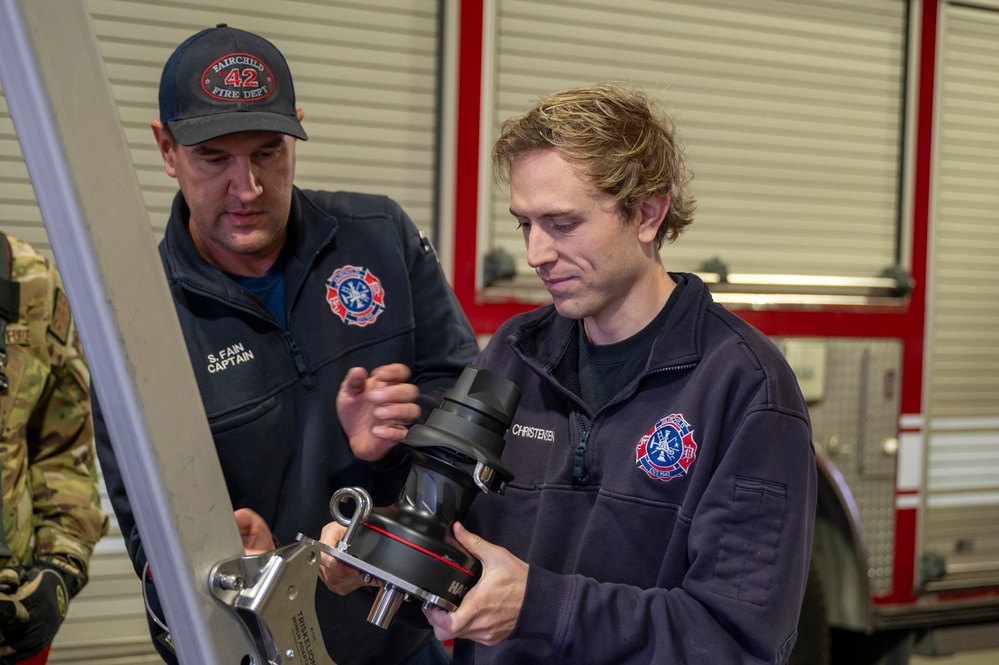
596 267
238 188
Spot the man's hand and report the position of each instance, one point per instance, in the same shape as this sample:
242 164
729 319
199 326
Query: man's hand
338 576
375 410
256 535
488 613
32 608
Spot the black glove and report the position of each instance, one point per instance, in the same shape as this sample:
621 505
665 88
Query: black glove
33 603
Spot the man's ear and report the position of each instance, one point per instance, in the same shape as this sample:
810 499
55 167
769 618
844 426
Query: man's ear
651 214
166 143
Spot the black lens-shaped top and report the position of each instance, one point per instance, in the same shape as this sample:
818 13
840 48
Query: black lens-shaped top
471 420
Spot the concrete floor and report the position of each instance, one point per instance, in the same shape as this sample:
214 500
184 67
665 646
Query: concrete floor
987 657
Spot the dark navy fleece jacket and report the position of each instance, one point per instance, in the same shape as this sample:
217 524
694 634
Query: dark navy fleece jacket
673 526
362 289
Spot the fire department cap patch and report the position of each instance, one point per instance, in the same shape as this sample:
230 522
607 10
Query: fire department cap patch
668 450
238 77
355 295
223 80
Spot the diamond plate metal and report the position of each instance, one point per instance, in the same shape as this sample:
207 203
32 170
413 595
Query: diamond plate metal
855 422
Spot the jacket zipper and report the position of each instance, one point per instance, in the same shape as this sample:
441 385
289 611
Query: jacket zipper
580 465
308 381
305 274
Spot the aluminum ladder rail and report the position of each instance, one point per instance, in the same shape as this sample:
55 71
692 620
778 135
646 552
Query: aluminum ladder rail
61 102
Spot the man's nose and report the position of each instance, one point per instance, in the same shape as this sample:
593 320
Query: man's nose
244 182
540 247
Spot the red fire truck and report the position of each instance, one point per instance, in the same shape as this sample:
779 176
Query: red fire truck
901 370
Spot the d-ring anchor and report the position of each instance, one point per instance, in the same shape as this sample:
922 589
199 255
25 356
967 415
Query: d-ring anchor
362 502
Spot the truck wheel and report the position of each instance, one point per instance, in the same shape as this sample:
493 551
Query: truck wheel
886 647
812 647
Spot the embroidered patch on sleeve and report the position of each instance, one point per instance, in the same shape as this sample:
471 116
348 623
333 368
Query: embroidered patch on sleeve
59 326
20 335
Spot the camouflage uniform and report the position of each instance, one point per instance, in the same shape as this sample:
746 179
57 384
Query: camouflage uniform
51 503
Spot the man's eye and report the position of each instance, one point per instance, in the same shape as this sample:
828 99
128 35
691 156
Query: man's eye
522 224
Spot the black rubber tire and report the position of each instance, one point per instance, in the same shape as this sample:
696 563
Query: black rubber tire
813 645
887 647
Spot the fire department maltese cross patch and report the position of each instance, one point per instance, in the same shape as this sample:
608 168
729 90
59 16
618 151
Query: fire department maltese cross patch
355 295
668 450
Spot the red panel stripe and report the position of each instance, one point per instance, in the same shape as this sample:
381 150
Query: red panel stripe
906 521
467 149
484 317
904 570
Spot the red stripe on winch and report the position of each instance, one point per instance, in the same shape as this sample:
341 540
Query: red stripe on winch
420 549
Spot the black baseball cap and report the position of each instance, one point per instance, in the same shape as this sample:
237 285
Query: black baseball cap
222 81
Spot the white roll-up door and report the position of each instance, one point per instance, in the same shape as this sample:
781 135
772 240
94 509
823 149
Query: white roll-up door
960 520
964 341
792 112
366 76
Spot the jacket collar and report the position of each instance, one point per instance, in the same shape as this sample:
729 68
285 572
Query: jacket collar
309 230
547 337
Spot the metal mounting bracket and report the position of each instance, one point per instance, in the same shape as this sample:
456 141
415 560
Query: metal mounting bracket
273 594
